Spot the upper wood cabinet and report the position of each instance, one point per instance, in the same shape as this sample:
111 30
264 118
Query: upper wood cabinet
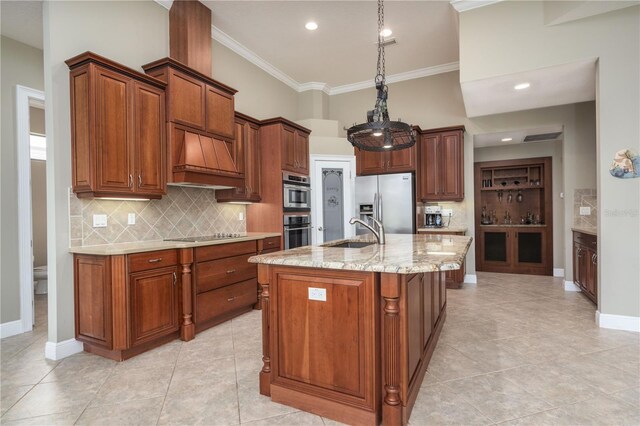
117 130
295 150
219 107
376 163
441 165
246 154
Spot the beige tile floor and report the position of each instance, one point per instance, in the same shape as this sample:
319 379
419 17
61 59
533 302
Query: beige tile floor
514 349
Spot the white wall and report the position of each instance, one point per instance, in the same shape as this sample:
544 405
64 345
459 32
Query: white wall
520 41
19 64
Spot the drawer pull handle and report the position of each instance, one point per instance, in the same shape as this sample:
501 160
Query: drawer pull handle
231 271
175 278
159 259
230 299
270 243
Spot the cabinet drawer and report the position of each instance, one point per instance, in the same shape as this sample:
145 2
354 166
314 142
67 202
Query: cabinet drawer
152 260
221 251
218 302
219 273
586 239
271 243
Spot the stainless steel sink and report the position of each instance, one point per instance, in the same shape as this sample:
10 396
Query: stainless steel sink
351 244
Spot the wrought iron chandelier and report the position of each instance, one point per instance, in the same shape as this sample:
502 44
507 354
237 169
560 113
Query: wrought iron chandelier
379 133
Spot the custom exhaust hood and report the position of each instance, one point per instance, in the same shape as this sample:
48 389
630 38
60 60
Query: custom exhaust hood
200 110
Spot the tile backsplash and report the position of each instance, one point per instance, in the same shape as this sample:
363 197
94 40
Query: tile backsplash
182 212
585 198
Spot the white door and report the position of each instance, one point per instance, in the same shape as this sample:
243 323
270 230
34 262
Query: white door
332 183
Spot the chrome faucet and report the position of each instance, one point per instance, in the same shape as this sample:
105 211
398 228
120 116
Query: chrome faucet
379 234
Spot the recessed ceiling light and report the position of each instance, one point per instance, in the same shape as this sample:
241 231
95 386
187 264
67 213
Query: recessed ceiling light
386 32
506 139
521 86
311 26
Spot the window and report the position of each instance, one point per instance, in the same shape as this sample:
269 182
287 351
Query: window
38 145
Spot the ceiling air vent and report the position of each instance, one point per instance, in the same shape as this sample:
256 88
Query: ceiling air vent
542 137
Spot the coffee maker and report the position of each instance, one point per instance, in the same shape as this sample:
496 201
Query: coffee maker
433 217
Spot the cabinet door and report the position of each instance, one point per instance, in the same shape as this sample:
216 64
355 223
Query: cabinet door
113 132
239 146
530 254
219 113
427 306
252 167
301 145
592 273
402 160
187 100
154 307
429 167
495 250
577 279
369 162
452 171
149 141
288 149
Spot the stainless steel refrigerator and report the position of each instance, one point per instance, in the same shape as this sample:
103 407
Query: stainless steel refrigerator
388 198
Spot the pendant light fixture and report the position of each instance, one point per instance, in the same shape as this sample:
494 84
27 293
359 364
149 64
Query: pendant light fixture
379 133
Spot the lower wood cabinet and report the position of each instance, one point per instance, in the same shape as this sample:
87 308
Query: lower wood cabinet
585 264
518 250
127 304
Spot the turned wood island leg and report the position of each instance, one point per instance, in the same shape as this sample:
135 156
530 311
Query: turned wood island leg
188 328
265 373
391 401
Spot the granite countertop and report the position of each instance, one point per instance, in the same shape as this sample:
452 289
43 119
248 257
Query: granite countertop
402 254
586 230
143 246
443 230
513 225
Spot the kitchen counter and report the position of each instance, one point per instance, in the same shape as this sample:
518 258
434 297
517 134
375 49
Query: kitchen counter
144 246
351 331
513 225
402 254
585 230
443 230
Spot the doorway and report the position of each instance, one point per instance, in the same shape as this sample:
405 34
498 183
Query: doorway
332 186
31 145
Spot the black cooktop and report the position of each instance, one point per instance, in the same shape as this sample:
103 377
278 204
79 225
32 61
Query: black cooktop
203 238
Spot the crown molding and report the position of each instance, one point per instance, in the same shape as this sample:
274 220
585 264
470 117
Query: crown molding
395 78
464 5
314 85
223 38
241 50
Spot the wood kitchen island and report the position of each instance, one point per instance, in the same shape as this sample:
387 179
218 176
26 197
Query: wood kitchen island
348 333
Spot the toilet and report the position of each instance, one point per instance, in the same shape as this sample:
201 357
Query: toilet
40 279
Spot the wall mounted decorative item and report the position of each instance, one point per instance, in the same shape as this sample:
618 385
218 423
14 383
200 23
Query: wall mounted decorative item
626 165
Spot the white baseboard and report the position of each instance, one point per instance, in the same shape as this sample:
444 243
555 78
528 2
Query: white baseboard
558 272
57 351
10 328
618 322
571 286
471 279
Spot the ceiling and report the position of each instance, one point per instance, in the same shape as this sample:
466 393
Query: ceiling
22 21
342 50
558 85
340 56
517 136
